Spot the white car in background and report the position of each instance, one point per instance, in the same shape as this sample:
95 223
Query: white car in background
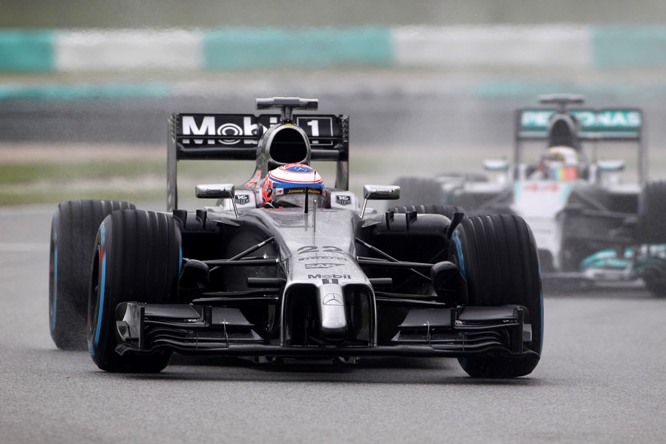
566 180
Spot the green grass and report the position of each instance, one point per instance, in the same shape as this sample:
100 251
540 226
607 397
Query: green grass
48 182
34 172
41 182
133 180
43 197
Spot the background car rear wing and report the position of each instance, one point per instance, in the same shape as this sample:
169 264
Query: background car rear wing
236 137
623 124
598 125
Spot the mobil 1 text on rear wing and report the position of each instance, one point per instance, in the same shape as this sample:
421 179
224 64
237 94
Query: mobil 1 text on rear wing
244 130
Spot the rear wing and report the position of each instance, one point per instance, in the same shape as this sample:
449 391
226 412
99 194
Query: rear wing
236 137
603 124
624 124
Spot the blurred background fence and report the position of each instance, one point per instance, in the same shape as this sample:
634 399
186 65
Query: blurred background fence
518 46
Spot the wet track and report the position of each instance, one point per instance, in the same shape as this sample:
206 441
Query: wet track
600 380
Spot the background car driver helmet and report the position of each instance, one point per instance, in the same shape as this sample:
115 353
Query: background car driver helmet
561 163
286 186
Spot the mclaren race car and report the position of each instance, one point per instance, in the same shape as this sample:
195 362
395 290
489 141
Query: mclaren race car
590 226
283 267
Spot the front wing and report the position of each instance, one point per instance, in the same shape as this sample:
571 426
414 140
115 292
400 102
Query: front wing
210 330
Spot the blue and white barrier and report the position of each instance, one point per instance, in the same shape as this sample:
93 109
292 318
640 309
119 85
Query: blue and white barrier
594 47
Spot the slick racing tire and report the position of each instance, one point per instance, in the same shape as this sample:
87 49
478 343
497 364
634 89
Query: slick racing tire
73 229
654 276
497 256
138 258
652 214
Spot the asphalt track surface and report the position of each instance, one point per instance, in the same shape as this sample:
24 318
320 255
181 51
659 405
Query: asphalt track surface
600 379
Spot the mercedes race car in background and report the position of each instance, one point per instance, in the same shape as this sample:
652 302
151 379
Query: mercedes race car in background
284 267
589 226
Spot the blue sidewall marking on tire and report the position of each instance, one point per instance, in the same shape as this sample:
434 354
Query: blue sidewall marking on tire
541 301
461 265
180 260
461 259
98 327
55 276
102 284
55 289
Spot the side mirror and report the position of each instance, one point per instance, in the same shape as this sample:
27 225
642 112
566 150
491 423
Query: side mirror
496 165
379 192
217 191
611 166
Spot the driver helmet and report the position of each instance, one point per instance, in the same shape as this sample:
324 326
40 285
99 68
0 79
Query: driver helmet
560 163
287 186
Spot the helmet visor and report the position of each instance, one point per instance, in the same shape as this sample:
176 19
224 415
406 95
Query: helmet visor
296 198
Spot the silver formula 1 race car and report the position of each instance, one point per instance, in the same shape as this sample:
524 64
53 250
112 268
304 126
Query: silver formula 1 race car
564 179
283 267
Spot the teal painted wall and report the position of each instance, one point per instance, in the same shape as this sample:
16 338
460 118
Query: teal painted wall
611 48
623 47
26 51
243 48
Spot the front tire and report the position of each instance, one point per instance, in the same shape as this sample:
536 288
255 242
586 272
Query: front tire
651 214
651 231
73 229
497 255
138 258
654 276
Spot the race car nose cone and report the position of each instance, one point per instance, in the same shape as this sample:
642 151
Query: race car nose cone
332 312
